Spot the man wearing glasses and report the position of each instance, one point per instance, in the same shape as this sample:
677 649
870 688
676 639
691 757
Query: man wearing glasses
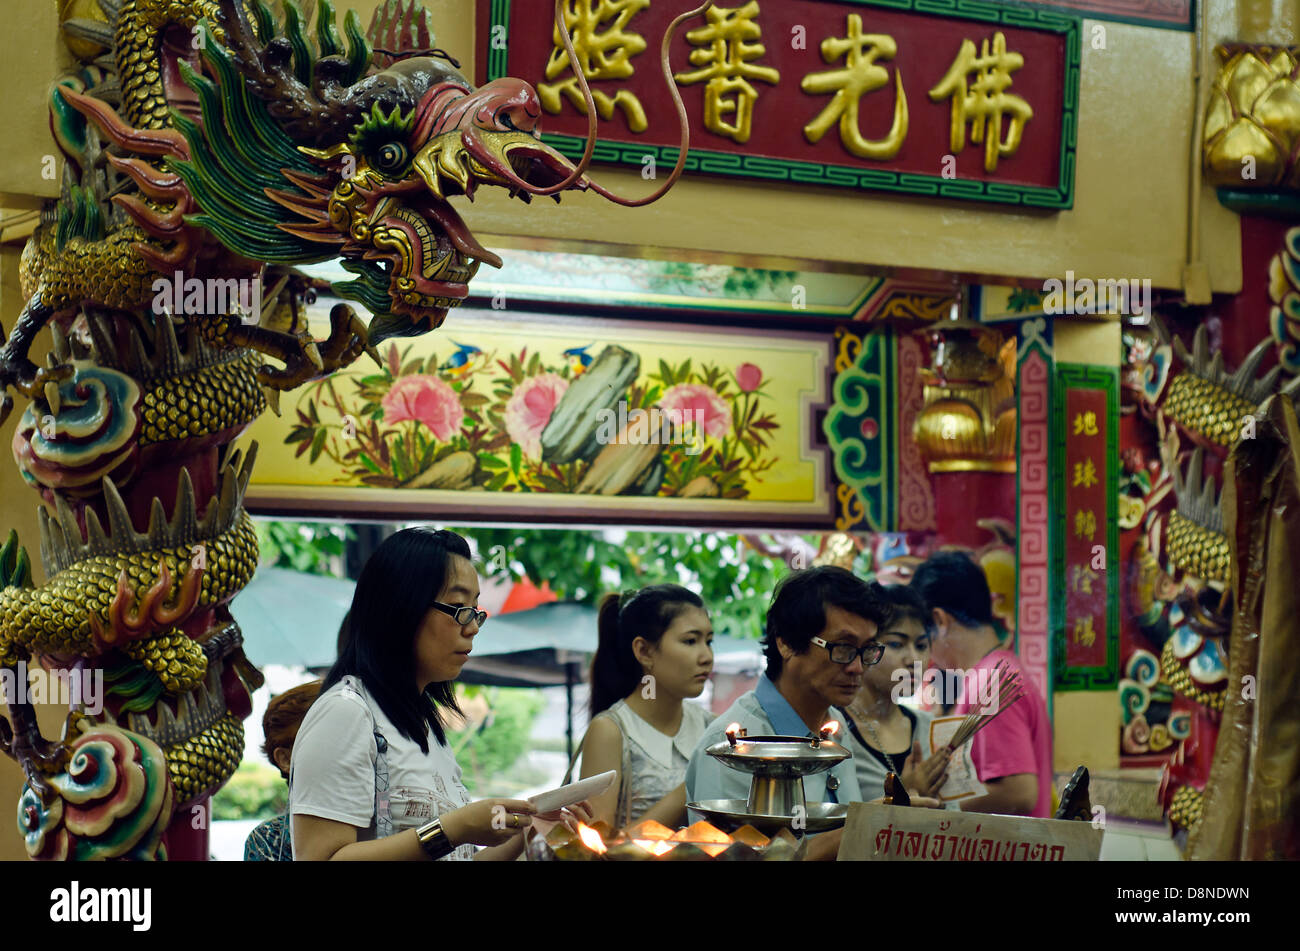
821 631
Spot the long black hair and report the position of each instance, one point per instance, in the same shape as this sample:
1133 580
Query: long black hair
395 592
615 671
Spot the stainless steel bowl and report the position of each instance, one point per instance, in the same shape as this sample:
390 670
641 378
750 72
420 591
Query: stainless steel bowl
784 757
730 814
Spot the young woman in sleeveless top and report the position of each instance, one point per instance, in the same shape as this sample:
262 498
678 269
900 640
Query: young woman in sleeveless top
655 654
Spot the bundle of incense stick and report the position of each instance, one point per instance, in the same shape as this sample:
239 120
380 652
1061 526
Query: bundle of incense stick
1009 691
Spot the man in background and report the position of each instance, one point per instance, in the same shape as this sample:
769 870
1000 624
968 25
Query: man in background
1013 753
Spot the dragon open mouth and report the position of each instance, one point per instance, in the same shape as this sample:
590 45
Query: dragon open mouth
433 253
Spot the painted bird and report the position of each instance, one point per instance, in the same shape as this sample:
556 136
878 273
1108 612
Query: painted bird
579 359
460 363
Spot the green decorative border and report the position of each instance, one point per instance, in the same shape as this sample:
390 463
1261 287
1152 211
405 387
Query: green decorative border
867 390
812 173
1275 202
1187 26
1081 376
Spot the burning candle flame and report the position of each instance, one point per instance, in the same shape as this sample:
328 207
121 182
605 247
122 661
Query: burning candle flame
733 729
591 838
830 728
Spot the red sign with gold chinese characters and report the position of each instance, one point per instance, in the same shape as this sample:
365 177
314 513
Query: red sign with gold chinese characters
1085 538
862 94
1085 602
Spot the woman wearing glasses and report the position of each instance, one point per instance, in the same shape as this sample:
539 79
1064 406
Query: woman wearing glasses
372 777
885 736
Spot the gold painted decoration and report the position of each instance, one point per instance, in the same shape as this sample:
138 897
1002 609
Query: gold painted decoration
969 420
605 46
726 50
860 76
1252 119
907 306
977 87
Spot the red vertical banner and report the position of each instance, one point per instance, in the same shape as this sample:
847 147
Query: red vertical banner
1086 529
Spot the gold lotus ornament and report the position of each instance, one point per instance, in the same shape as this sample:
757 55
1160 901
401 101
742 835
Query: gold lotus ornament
1252 120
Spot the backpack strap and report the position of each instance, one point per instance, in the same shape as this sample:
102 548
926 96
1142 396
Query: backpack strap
383 814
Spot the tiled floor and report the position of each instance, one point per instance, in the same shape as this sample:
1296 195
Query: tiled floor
1125 841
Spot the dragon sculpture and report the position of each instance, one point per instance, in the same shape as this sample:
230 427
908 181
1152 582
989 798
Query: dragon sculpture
1180 587
210 147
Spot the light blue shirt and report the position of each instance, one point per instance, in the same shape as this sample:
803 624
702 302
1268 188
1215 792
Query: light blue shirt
762 711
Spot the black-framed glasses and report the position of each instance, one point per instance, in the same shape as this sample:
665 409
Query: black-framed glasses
463 616
844 653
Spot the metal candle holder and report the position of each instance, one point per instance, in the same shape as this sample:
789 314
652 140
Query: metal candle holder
778 765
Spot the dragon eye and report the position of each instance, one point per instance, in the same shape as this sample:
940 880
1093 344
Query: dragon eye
391 157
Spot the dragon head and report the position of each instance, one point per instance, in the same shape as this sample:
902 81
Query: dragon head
267 149
354 161
423 135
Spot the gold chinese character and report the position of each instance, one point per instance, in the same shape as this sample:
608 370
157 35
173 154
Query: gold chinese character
1083 632
860 77
725 53
1085 524
984 102
601 55
1085 423
1085 473
1081 579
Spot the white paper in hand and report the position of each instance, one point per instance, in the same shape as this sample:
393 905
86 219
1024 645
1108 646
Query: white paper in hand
554 799
963 782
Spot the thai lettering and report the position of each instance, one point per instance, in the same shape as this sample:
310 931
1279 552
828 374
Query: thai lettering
882 838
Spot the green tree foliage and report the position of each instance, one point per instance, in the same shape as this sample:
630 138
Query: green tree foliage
255 791
486 751
735 581
310 547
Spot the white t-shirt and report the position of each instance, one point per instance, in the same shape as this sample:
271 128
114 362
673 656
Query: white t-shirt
332 768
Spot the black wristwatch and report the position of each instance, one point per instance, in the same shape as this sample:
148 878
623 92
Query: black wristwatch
433 840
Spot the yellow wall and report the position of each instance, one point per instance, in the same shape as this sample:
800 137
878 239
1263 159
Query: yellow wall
1086 723
1085 730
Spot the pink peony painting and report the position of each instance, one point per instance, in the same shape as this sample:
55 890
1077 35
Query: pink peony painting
699 402
426 423
529 409
425 399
